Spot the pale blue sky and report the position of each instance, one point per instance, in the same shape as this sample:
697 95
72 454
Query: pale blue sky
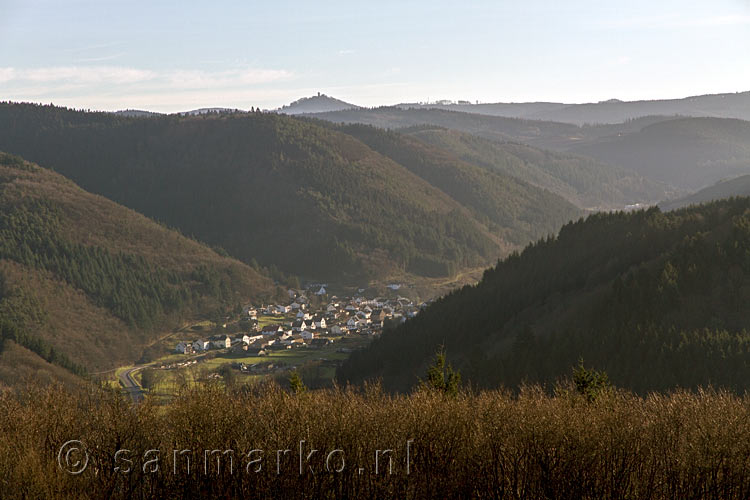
170 56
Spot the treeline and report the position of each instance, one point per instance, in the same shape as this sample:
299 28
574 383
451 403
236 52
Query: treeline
656 300
132 289
19 312
370 444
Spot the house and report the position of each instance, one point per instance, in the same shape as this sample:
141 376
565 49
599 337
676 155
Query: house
285 334
243 337
310 324
363 315
239 347
303 315
296 306
272 330
201 345
337 330
283 309
299 326
319 322
184 348
322 291
221 341
308 335
377 315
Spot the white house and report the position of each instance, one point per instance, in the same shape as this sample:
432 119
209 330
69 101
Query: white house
221 341
308 335
244 338
319 322
201 345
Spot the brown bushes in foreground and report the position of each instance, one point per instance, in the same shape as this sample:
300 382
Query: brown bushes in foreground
492 444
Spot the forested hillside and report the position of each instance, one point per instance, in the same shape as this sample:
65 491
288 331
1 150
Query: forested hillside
583 181
656 300
86 284
688 152
313 201
490 127
738 186
512 208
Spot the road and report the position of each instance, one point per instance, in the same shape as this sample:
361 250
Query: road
130 385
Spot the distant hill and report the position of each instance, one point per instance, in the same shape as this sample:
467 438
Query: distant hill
585 182
490 127
688 152
203 111
739 186
656 300
314 201
86 284
731 105
136 113
320 103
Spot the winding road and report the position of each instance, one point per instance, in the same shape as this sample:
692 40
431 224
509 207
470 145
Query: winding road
130 385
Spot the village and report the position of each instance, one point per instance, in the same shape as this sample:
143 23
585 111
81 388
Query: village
309 320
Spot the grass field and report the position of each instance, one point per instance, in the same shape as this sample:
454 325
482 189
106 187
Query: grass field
317 363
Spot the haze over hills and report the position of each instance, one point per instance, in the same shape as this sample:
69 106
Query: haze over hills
730 105
738 186
86 284
688 152
314 201
583 181
656 300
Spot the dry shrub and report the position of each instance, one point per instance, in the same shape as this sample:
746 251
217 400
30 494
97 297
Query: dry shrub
486 445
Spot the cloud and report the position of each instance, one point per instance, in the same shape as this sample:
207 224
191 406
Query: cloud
76 74
118 75
7 74
225 79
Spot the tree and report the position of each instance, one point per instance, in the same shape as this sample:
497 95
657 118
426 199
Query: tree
589 382
150 378
228 374
295 383
441 376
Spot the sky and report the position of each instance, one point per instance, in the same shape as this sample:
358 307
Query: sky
174 56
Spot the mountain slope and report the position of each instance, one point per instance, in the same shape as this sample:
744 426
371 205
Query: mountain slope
584 182
657 300
489 127
688 152
516 211
314 201
739 186
86 284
